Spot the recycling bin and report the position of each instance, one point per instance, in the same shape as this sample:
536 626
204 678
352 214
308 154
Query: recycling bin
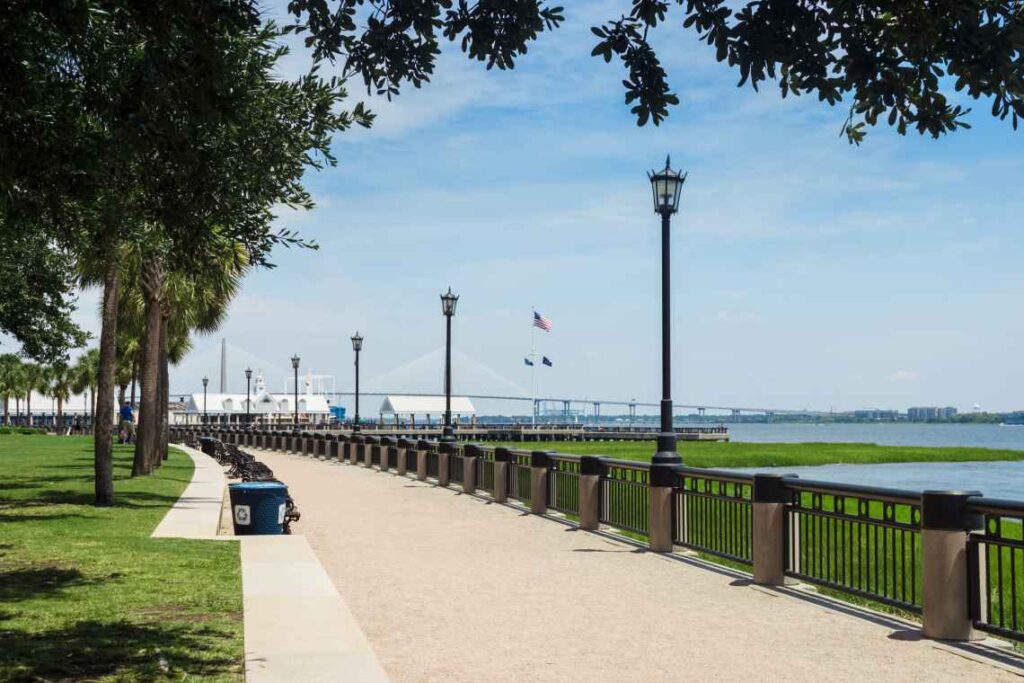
258 507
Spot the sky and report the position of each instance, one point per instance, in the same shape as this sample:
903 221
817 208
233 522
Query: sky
807 273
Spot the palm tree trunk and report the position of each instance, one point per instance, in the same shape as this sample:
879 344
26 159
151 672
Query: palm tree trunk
164 390
103 448
121 390
28 406
146 440
7 409
135 375
60 415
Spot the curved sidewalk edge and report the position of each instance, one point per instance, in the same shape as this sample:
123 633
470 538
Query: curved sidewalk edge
297 626
196 514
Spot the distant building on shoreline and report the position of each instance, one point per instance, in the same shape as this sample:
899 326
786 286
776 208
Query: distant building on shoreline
877 415
927 413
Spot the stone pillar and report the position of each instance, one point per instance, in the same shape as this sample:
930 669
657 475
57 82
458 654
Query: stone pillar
404 446
358 449
539 464
387 445
768 531
371 451
663 480
591 471
445 451
470 454
421 460
501 458
945 525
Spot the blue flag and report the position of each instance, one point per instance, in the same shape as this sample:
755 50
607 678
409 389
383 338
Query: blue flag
546 361
528 361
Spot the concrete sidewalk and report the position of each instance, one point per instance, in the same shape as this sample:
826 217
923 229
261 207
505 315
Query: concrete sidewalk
197 512
449 587
297 627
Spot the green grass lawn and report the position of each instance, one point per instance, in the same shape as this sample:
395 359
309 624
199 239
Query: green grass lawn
87 595
736 454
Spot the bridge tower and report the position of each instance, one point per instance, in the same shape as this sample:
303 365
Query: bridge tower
597 413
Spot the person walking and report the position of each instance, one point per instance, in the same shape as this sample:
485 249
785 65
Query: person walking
127 424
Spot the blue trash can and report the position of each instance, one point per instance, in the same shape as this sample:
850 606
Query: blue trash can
258 507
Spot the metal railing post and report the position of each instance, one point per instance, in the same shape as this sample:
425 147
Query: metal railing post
768 529
946 524
662 485
539 464
591 470
501 458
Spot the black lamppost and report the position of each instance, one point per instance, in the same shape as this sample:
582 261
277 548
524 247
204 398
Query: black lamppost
248 403
295 368
448 301
357 346
666 185
206 380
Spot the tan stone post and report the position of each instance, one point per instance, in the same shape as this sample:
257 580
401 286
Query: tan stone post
421 459
591 471
539 464
470 454
501 458
344 448
662 486
387 445
445 451
371 449
358 450
768 530
946 522
404 446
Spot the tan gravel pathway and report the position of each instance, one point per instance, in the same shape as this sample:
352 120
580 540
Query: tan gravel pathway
448 587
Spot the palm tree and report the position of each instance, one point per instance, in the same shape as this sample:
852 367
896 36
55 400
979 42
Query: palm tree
174 305
84 376
36 378
10 368
61 388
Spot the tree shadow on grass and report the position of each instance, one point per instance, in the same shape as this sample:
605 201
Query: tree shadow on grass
92 649
25 583
122 499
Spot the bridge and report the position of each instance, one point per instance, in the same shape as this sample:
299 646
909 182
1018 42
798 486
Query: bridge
701 409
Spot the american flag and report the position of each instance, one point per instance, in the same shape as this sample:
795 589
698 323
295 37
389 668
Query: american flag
541 322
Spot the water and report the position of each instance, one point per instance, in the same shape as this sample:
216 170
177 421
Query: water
993 479
893 434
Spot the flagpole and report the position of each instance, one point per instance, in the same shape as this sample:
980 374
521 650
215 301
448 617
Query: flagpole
533 373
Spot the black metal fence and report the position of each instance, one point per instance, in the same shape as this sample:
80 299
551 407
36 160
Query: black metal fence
520 485
996 560
485 471
625 496
713 515
853 540
856 540
456 468
564 484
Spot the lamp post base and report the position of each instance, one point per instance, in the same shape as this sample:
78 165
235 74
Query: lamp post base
447 434
666 454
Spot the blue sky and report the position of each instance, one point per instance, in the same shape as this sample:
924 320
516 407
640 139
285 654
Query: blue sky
807 272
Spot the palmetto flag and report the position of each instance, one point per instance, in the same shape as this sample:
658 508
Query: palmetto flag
528 361
541 322
546 361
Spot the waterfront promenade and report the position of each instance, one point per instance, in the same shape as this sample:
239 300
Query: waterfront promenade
450 587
